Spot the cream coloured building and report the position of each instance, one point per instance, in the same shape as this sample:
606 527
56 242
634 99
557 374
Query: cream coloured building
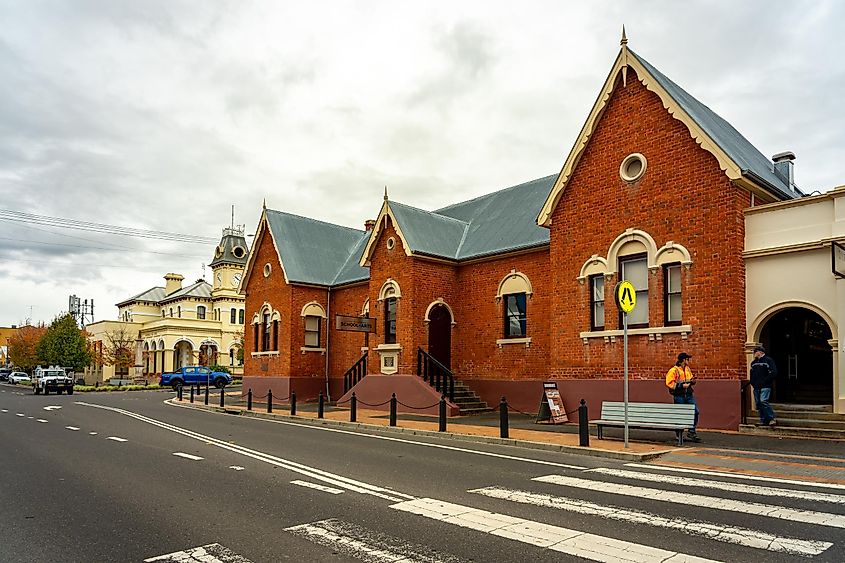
177 324
795 300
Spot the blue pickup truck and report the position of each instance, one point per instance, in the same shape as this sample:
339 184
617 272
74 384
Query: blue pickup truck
191 375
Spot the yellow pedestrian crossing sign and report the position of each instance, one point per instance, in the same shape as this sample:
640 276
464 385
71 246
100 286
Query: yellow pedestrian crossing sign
626 296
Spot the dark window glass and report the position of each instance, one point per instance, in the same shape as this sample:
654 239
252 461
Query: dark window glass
312 331
179 311
240 317
672 294
232 313
255 337
276 335
200 312
597 302
635 270
390 320
515 315
266 336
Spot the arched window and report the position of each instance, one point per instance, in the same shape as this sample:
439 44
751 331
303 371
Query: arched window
313 313
514 290
232 315
200 312
241 317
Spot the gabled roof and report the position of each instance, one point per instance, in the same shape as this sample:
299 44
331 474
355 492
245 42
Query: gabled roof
152 295
495 223
737 157
314 252
200 290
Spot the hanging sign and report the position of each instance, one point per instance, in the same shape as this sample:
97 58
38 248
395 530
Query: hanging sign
551 405
355 324
626 296
838 259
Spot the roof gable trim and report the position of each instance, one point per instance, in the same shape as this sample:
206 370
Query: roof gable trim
381 223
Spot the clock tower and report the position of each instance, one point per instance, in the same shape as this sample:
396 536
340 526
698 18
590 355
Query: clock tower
227 267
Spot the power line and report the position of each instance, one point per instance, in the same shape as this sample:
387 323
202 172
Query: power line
114 249
64 223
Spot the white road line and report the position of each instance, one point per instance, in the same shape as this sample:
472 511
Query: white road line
71 427
116 439
19 414
51 407
323 488
5 410
93 433
729 534
722 486
739 476
42 420
312 472
30 417
354 541
211 553
690 499
426 444
236 467
573 542
188 456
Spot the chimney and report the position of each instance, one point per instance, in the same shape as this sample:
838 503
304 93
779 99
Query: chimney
369 224
785 167
173 282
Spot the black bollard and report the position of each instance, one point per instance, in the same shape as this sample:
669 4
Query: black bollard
503 418
320 405
206 394
249 400
192 393
583 425
293 403
222 396
353 408
269 400
442 414
179 392
393 409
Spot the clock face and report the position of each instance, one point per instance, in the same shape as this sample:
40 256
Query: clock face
219 278
237 279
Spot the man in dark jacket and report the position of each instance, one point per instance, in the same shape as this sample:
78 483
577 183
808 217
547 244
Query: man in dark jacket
763 374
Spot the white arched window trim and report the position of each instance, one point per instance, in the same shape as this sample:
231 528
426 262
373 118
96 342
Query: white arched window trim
671 253
435 303
514 282
631 235
389 289
365 308
313 309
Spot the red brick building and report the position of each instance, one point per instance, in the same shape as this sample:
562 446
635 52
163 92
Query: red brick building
515 288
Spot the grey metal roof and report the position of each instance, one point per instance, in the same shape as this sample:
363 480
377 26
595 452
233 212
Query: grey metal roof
351 271
315 252
428 232
152 295
737 147
200 290
224 253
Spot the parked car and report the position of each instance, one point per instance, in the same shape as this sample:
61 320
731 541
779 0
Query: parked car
19 377
53 378
191 375
4 374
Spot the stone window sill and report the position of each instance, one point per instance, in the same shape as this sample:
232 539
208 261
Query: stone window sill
388 347
503 341
654 333
312 349
268 353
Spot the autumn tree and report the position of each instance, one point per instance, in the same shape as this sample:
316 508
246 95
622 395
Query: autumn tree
64 344
119 350
23 346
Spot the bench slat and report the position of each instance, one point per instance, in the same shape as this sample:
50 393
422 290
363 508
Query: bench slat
669 415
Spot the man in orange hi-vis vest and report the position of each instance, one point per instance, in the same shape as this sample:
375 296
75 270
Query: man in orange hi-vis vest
681 383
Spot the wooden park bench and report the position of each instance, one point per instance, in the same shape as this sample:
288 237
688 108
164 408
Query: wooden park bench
651 416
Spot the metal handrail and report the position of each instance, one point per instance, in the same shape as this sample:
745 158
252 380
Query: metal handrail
436 374
355 374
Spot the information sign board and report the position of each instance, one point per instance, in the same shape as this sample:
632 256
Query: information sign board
551 405
355 324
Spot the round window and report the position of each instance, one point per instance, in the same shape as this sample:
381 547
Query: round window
391 242
238 251
633 167
267 269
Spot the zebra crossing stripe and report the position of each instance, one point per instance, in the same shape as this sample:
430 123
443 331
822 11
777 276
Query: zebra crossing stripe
670 468
728 534
354 541
211 553
690 499
572 542
722 486
323 488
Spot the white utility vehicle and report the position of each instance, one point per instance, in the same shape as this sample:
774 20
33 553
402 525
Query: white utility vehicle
52 378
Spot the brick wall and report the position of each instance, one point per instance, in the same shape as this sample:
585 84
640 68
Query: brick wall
683 197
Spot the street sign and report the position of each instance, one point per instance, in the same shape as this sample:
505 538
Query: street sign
626 296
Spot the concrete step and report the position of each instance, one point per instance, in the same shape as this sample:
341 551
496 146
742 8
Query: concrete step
801 407
802 415
792 432
810 423
476 410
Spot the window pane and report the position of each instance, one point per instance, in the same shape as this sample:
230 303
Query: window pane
598 288
640 313
636 272
674 308
312 339
232 316
515 315
674 278
241 316
312 323
598 314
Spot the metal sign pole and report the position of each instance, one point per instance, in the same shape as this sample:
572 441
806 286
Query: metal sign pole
625 391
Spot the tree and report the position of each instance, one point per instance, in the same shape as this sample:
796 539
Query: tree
119 350
23 344
64 344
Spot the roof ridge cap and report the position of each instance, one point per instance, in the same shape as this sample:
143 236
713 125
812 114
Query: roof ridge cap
313 220
431 212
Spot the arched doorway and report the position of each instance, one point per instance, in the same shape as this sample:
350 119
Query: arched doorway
183 354
208 354
797 339
440 334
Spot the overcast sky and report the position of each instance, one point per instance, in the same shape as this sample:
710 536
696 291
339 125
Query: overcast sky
163 114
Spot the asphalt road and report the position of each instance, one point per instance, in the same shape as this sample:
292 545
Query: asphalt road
125 477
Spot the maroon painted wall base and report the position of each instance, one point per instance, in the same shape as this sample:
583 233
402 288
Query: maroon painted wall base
410 390
307 388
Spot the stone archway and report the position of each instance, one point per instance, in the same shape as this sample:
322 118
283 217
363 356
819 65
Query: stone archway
183 354
798 339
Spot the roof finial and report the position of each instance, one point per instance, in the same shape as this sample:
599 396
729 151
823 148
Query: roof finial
385 193
624 40
264 204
